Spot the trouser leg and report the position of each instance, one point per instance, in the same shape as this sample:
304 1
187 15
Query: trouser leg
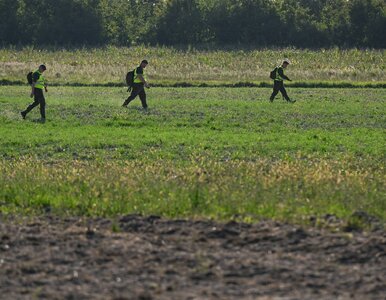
43 107
38 99
31 106
137 88
284 92
130 98
276 88
142 96
38 95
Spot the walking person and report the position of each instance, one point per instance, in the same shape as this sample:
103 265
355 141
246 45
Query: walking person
38 84
278 82
139 84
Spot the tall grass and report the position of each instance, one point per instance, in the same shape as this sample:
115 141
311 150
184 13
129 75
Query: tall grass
170 65
263 188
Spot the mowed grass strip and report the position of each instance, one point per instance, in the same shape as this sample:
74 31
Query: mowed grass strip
169 66
197 152
225 123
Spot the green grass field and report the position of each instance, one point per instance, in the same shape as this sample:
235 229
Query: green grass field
170 66
223 153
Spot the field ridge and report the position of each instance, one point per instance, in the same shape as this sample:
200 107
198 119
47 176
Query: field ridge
258 84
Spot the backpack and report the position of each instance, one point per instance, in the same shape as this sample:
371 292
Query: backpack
130 80
29 77
272 74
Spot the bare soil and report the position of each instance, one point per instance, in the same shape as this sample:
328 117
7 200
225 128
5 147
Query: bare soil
137 257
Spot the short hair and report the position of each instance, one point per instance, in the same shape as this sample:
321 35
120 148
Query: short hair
144 62
286 60
43 67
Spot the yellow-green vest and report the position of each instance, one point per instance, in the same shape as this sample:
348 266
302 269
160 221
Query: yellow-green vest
278 77
136 79
40 83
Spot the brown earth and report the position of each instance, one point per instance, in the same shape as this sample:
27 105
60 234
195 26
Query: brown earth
138 257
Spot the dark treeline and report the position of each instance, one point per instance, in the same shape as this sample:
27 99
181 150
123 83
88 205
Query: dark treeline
264 23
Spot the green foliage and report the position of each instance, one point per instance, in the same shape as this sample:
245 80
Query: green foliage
367 17
179 23
300 23
55 22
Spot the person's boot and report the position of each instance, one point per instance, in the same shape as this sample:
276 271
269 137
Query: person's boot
23 114
125 103
291 101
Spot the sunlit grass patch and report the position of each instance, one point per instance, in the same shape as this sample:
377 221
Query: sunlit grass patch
283 190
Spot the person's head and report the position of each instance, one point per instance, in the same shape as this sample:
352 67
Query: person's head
144 63
285 63
42 68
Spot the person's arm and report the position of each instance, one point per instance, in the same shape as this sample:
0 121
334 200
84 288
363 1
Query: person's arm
140 77
281 73
35 78
32 90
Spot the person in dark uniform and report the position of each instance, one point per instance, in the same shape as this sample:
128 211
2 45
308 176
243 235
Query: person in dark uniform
38 84
278 82
139 85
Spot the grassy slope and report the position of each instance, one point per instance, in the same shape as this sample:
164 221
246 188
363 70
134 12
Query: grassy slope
169 66
197 152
